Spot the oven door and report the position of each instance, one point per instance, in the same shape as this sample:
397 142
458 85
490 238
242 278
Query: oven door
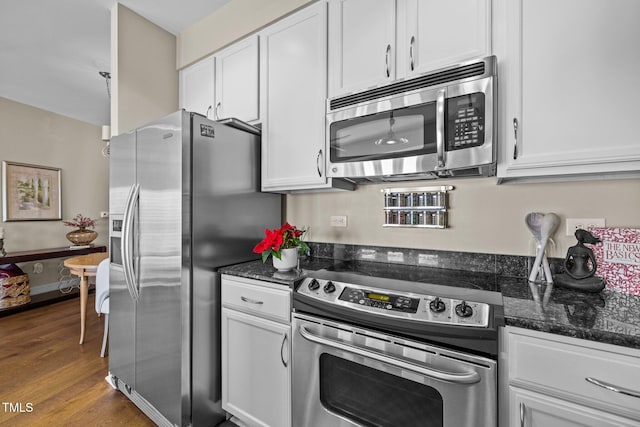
349 376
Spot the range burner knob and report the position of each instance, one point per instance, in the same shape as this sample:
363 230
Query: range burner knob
464 310
329 287
437 305
313 284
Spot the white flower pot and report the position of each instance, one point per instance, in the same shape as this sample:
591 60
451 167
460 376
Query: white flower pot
288 261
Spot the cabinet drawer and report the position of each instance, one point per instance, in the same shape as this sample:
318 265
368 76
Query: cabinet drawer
255 297
561 369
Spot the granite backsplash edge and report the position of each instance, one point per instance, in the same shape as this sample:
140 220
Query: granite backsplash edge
500 265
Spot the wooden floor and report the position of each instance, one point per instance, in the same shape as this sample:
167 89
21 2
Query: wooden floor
48 379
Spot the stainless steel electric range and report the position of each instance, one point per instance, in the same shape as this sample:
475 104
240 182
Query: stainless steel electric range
374 351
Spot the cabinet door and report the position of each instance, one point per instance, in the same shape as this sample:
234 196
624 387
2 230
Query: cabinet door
237 81
530 409
434 33
197 86
293 83
361 44
256 369
569 96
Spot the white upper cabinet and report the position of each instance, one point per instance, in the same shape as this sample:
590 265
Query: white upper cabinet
197 87
293 75
237 80
362 44
436 33
225 84
373 43
569 87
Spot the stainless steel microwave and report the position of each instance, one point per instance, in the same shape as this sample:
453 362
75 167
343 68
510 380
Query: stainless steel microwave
440 124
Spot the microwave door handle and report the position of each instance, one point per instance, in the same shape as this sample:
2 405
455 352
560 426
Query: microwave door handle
440 122
452 377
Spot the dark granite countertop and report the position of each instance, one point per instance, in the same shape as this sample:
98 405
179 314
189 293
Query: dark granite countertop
606 317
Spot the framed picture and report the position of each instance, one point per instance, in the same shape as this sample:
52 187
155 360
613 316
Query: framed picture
30 192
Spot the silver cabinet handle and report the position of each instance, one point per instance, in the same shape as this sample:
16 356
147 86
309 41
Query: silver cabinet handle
208 109
411 45
251 301
452 377
318 162
522 409
440 123
284 340
614 388
515 138
387 59
216 113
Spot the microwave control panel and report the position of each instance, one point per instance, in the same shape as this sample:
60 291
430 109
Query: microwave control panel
465 121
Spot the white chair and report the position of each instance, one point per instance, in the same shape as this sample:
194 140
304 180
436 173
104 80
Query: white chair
102 298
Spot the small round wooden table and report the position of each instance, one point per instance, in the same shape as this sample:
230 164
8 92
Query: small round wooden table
84 266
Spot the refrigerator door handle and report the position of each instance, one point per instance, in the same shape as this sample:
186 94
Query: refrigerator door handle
126 241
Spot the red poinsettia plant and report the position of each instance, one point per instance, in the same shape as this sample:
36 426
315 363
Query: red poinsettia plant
81 222
286 237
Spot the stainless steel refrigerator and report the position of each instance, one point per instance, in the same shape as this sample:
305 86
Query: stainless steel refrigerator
184 200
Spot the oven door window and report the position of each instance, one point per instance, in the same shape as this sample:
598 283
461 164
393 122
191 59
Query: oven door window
375 398
403 132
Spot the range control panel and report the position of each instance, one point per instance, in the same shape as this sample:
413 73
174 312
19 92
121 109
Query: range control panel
408 306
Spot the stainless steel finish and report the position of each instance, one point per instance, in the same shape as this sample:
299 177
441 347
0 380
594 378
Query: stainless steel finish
183 225
126 242
614 388
470 402
412 43
216 113
479 319
208 109
318 162
452 377
440 125
282 347
515 138
239 124
251 301
387 61
522 412
475 161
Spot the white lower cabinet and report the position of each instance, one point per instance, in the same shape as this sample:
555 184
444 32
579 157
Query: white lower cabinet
531 409
552 380
256 352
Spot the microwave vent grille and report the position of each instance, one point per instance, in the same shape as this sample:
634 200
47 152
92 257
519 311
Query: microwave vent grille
438 78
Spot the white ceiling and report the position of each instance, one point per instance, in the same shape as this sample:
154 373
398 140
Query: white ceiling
52 50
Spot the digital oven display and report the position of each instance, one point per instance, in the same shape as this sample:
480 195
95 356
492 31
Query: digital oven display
368 298
378 297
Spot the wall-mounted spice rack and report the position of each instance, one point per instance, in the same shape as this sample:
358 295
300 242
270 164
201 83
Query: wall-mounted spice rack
424 207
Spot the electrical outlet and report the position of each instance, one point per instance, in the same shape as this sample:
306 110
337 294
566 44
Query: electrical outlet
338 220
575 223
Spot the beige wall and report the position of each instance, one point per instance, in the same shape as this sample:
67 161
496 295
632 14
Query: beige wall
143 73
34 136
484 217
233 21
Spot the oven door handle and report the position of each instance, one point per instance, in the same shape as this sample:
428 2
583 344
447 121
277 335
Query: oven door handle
452 377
